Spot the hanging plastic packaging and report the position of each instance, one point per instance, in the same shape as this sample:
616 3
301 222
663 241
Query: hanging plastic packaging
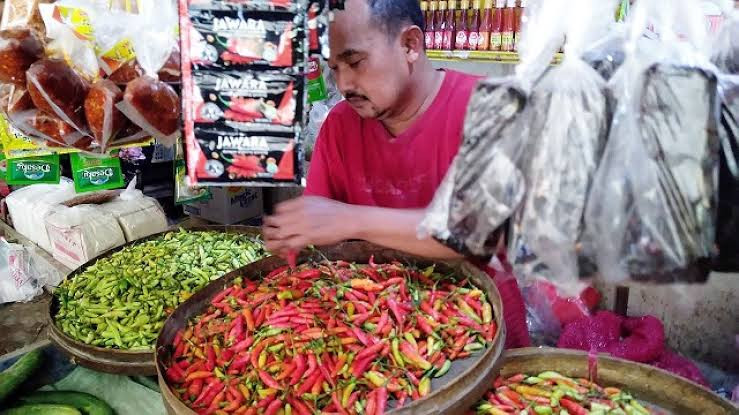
568 127
726 44
484 185
243 93
93 173
651 214
69 26
147 101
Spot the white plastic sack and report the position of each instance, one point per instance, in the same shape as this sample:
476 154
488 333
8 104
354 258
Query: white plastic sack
139 216
29 206
16 279
81 233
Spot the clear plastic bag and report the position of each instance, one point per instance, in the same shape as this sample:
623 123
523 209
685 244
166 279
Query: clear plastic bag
568 128
484 184
727 229
726 44
149 102
651 214
17 283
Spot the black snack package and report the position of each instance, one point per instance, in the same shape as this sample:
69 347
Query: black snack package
243 91
233 37
225 156
248 101
279 5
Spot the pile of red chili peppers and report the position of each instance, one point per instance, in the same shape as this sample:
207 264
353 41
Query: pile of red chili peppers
550 393
331 337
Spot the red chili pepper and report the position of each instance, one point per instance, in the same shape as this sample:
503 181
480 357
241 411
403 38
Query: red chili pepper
573 407
337 403
211 355
220 296
381 400
174 374
360 366
269 380
273 408
292 259
308 383
299 371
371 408
195 388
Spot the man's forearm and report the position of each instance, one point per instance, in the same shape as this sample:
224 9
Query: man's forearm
396 229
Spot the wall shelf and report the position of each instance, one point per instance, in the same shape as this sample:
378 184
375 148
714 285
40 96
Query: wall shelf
478 56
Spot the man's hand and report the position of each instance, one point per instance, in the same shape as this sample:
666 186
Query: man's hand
305 221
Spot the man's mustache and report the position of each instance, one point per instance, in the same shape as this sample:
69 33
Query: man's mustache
352 94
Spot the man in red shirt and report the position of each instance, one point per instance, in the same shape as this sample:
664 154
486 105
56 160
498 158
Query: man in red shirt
381 153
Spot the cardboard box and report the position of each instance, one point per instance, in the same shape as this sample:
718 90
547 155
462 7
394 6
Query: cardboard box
229 205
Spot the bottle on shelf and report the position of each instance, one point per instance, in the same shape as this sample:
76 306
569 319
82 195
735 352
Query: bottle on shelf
486 26
508 32
496 26
431 25
450 26
463 31
518 23
474 26
440 25
428 37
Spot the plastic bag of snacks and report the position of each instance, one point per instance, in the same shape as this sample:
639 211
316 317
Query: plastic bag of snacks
72 92
484 185
148 101
651 214
243 91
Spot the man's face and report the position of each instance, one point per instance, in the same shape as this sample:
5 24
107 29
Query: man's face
370 65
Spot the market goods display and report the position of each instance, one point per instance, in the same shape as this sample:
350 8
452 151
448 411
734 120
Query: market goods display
584 378
122 300
328 336
244 91
552 393
72 64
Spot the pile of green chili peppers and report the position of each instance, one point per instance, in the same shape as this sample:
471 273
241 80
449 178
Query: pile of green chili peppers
122 300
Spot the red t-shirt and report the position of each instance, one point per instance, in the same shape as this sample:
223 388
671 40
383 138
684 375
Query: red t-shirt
357 161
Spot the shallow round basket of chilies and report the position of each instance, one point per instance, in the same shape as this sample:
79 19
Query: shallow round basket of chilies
555 381
107 314
353 329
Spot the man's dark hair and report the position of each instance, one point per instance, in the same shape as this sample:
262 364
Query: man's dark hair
392 15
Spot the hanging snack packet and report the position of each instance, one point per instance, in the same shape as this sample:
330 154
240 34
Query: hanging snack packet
247 101
229 157
651 214
243 98
69 25
22 14
93 173
33 170
19 49
147 101
103 117
234 37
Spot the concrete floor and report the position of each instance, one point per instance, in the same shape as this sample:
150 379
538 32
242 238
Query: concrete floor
22 324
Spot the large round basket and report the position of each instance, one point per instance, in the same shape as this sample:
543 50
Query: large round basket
646 383
452 393
116 360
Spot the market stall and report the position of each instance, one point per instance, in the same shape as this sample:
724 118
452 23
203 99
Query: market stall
143 143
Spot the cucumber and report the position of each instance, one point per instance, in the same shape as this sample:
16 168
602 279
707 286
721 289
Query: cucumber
21 370
84 402
41 409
